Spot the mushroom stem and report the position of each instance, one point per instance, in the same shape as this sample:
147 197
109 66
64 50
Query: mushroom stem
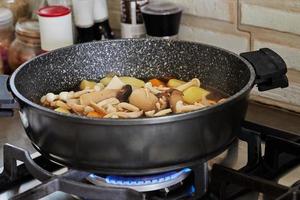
193 82
181 108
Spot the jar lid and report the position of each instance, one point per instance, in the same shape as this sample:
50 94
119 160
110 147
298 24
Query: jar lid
53 11
28 28
161 8
6 16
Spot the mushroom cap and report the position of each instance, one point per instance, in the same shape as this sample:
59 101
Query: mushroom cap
143 99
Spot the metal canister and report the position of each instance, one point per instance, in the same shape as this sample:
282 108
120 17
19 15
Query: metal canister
132 25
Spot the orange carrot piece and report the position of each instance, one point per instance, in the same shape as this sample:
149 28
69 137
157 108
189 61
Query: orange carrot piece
96 114
155 82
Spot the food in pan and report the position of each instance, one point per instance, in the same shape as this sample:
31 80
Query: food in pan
129 97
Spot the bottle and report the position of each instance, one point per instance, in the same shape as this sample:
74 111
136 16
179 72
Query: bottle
6 36
132 25
84 20
26 45
55 27
162 19
101 26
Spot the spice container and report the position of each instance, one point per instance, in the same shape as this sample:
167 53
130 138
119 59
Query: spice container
20 8
27 44
84 20
132 25
6 36
162 19
55 27
101 26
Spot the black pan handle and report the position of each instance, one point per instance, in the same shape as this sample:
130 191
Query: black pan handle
269 67
7 101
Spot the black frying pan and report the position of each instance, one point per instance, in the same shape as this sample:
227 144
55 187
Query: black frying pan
146 145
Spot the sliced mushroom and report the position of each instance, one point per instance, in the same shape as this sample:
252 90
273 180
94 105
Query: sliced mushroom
163 112
150 113
162 88
50 97
110 109
79 109
124 93
176 96
193 82
65 96
149 86
88 109
82 92
181 108
130 114
96 97
62 104
43 99
112 101
97 108
127 106
143 99
125 114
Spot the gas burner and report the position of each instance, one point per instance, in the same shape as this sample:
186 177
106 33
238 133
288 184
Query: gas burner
142 183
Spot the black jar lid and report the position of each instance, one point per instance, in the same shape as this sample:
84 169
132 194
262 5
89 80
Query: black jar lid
161 8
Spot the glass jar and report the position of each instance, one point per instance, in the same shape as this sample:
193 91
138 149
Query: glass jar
27 44
19 8
6 36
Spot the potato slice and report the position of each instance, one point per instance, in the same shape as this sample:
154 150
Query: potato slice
105 81
134 82
87 84
194 94
173 83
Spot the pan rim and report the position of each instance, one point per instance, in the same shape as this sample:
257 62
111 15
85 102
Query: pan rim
137 121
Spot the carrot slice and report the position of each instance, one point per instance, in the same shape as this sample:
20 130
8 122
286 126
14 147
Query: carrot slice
155 82
96 114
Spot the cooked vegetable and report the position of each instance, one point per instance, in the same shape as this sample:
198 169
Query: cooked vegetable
129 97
134 82
124 93
173 83
193 82
143 99
95 114
62 110
156 82
87 84
194 94
96 97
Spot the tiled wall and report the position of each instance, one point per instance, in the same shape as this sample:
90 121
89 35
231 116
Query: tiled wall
244 25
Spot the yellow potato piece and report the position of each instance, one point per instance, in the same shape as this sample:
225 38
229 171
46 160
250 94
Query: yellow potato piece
62 110
87 84
134 82
105 81
173 83
194 94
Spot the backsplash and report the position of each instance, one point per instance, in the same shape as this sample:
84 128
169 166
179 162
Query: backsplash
244 25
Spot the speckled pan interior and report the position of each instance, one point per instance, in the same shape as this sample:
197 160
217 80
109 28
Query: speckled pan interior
63 69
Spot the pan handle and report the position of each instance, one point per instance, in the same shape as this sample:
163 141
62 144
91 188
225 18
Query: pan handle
269 67
7 101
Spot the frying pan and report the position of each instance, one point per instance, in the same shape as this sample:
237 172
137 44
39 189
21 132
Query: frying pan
143 145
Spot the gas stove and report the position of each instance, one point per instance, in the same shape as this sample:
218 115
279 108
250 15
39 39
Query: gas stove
269 153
